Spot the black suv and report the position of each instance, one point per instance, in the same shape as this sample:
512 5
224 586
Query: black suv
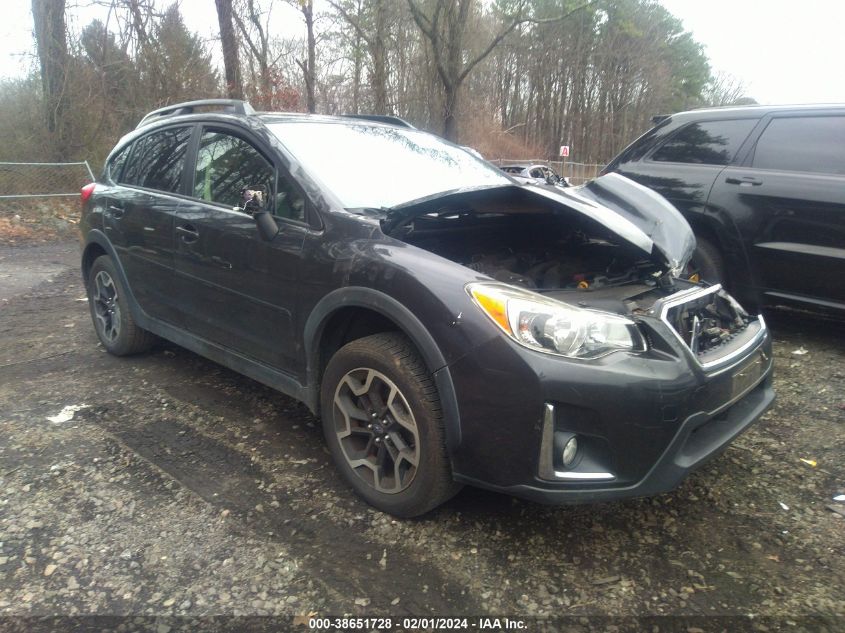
449 324
764 190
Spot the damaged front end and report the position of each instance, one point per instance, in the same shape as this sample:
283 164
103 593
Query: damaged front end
561 258
710 323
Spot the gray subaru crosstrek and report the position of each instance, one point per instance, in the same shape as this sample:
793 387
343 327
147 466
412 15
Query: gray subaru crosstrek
449 324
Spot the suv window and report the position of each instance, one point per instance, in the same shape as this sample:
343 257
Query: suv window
707 143
115 165
226 165
811 144
158 159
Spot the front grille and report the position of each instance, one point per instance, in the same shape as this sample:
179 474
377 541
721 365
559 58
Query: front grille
707 320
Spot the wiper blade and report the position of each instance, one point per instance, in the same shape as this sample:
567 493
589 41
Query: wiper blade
370 212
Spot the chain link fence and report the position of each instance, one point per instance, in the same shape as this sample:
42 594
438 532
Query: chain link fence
40 200
576 173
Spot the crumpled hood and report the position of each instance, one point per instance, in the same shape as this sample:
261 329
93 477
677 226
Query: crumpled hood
647 210
632 212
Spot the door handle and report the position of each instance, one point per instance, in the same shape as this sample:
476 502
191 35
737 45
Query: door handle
115 211
188 233
746 181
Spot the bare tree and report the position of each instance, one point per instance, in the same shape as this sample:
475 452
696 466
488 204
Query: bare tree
445 28
51 40
375 37
231 61
255 34
309 65
724 89
515 76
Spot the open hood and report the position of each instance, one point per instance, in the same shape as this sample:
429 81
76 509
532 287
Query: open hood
650 212
630 211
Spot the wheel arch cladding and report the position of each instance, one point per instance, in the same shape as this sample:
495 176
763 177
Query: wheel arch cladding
359 312
97 245
93 250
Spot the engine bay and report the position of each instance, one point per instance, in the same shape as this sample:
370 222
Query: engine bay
538 252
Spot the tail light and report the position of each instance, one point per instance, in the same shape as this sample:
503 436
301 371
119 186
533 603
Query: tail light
86 191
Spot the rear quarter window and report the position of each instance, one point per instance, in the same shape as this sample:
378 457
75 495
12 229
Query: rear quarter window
805 144
115 166
157 160
705 143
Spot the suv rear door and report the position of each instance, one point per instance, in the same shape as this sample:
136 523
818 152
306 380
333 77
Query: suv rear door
242 289
788 199
683 167
138 217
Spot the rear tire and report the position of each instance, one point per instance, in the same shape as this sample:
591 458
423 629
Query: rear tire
384 426
113 322
708 262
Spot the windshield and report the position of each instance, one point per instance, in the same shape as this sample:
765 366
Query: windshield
371 166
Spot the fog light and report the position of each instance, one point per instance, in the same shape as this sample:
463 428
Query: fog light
569 451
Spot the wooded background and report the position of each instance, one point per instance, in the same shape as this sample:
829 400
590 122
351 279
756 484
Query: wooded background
512 78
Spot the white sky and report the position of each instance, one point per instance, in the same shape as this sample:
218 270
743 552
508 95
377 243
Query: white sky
784 51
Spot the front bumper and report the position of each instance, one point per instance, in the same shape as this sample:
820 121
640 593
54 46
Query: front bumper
646 421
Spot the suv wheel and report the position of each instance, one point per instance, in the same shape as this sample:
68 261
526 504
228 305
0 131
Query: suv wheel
707 262
384 427
113 322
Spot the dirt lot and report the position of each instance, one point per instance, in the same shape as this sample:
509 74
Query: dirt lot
184 488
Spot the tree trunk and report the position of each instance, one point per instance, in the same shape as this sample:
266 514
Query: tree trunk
379 55
357 64
51 39
231 63
309 69
450 112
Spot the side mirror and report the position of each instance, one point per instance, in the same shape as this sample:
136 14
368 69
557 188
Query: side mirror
267 227
253 200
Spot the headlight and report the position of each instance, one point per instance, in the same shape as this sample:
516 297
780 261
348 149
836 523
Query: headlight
546 325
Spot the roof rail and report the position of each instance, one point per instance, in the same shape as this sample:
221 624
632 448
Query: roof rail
381 118
657 119
236 106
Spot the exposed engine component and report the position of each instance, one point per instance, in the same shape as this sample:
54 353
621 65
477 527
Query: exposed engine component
568 267
708 322
541 252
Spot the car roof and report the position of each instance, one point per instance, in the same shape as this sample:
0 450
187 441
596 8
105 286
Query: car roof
750 111
239 112
242 111
344 119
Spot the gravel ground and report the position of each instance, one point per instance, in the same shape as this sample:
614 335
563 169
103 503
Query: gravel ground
182 488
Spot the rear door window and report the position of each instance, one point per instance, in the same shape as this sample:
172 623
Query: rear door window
705 143
158 159
808 144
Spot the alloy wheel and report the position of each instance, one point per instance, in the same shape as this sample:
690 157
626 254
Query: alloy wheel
106 307
376 430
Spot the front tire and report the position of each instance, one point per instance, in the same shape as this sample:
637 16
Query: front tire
384 426
107 299
707 262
